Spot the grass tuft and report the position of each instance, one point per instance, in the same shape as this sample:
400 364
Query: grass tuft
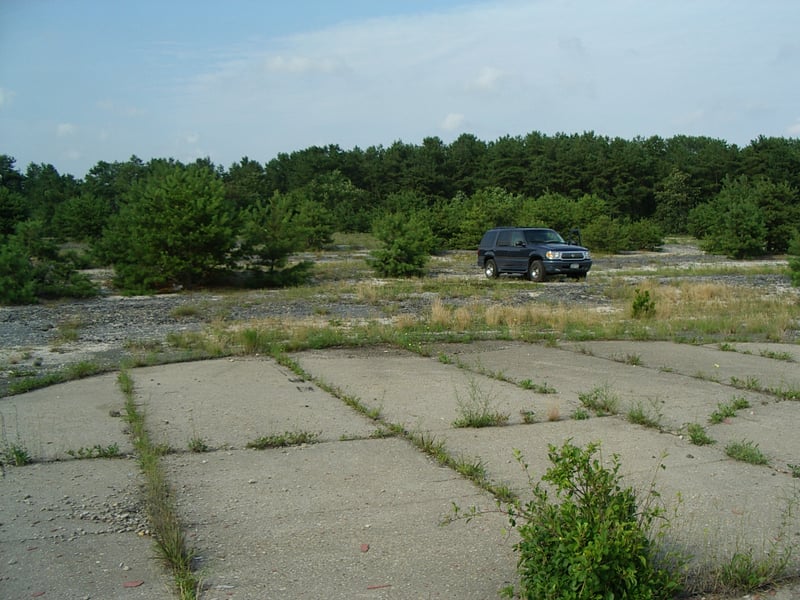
283 440
746 451
477 410
698 435
601 400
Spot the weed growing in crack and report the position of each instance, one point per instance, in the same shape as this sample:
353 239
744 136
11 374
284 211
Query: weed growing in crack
698 435
539 388
640 415
601 400
728 410
283 440
96 451
12 452
748 383
580 414
477 410
15 453
746 451
198 445
158 499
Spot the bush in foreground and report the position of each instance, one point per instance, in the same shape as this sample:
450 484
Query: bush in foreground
593 540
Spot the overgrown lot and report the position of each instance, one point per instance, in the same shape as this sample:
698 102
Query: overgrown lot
679 294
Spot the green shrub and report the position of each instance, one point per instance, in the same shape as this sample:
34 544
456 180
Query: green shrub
592 540
644 235
17 285
407 244
794 260
643 305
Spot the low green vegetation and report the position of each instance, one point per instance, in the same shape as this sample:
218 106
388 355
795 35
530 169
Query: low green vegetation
601 400
478 409
726 410
643 307
698 435
647 416
585 535
746 451
580 414
539 388
198 445
96 451
285 439
167 529
15 453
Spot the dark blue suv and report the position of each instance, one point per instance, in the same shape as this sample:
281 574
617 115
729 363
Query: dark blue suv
533 251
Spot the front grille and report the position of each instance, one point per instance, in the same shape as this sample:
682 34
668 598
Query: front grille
572 255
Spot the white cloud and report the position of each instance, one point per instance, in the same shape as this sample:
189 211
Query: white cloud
487 79
65 129
452 122
794 129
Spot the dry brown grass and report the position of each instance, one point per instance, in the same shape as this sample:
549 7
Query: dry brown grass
553 412
440 313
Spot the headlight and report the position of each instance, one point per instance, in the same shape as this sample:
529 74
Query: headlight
552 255
587 255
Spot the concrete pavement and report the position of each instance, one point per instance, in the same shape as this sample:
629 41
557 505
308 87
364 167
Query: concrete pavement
357 515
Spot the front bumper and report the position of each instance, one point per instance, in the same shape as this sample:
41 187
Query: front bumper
567 267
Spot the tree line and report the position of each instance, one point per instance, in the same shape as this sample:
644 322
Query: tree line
163 223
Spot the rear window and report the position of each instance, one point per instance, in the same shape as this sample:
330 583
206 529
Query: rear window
504 238
486 242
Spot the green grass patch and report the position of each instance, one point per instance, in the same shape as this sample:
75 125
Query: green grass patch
283 440
96 451
647 416
477 410
746 451
698 435
726 410
601 400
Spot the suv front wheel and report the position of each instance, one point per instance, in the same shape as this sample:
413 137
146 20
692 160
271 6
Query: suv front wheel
490 268
536 270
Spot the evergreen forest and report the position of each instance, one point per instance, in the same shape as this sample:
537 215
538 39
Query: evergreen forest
163 224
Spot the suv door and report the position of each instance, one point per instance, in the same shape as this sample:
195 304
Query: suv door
519 252
503 252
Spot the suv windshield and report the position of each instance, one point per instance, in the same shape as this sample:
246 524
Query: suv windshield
543 236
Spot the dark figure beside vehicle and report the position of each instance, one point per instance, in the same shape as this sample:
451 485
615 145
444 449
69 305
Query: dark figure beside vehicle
535 252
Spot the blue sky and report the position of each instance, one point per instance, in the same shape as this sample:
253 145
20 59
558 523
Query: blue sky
88 80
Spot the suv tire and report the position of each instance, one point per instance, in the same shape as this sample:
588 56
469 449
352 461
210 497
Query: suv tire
536 271
490 269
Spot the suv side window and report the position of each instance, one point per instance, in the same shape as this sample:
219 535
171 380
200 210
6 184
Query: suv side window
504 238
517 239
